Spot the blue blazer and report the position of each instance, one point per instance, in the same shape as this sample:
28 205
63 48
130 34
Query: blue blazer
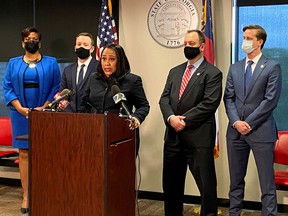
256 108
49 80
13 85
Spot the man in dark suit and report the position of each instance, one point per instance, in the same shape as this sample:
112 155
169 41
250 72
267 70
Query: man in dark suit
252 92
188 113
75 76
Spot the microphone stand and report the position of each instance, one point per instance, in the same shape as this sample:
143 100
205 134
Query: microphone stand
128 117
53 108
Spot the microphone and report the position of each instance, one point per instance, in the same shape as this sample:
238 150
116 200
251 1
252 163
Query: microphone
62 104
63 95
120 97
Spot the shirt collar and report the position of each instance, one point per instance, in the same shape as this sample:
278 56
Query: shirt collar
255 59
197 63
86 62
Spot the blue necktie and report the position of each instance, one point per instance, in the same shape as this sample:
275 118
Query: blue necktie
80 80
247 76
80 75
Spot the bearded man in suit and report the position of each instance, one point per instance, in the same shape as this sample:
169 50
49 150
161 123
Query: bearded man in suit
84 47
252 92
188 105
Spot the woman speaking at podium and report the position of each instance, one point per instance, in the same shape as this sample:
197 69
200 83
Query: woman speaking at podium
114 71
30 81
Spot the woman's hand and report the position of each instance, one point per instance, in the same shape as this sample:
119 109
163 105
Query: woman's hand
42 107
134 123
22 110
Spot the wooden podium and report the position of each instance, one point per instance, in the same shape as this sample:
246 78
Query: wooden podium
81 164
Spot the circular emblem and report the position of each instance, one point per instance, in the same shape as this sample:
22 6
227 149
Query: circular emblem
169 20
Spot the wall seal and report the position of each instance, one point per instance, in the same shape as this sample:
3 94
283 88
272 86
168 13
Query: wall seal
169 20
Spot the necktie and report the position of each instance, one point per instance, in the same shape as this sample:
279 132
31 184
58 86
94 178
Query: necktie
185 79
247 76
80 75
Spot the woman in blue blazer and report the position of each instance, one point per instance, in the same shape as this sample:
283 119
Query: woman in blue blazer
31 81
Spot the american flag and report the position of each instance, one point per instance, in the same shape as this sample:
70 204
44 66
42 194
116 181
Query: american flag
107 32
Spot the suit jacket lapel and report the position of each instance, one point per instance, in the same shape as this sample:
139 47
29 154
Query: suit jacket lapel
74 74
179 77
241 76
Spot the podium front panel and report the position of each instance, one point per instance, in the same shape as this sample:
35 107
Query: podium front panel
71 164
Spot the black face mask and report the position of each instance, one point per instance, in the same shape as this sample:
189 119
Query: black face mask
191 52
82 53
31 46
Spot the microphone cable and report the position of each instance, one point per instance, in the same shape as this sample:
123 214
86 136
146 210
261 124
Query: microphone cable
138 173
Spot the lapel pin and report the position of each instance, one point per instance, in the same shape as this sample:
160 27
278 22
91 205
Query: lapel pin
262 66
198 74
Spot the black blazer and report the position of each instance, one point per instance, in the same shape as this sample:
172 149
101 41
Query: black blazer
68 81
99 97
198 104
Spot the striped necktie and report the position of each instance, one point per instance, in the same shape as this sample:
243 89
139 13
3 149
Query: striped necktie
185 79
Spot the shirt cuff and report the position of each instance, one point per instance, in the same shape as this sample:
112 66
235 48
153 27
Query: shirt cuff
235 123
168 119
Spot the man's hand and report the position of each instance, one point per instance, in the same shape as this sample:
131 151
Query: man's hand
242 127
177 122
